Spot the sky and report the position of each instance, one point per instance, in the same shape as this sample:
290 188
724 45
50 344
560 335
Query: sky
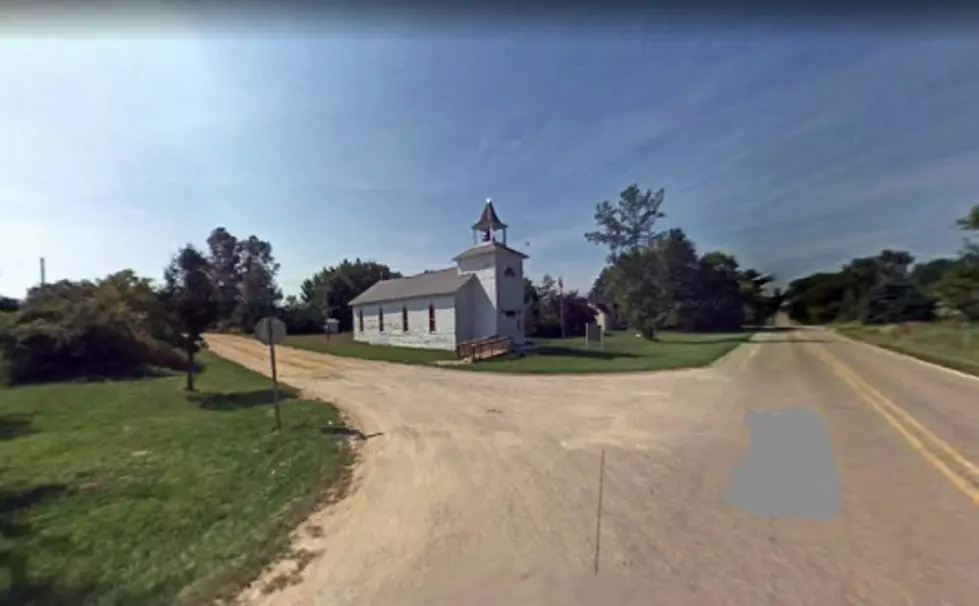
793 152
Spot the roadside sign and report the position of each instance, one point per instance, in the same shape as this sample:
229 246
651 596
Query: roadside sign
271 331
594 334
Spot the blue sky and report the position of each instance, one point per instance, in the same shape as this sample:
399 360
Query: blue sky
795 152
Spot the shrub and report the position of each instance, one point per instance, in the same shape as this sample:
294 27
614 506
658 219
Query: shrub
68 330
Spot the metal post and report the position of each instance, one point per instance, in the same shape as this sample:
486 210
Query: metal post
275 378
561 303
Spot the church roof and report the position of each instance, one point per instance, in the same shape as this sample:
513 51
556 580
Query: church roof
489 219
485 247
441 282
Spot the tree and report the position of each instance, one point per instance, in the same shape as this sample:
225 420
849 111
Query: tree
331 289
898 300
531 299
970 222
844 295
927 276
958 289
628 226
599 292
244 276
192 300
225 259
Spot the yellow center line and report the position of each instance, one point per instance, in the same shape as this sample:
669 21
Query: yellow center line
888 410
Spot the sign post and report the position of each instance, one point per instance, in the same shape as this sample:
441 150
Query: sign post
560 286
271 331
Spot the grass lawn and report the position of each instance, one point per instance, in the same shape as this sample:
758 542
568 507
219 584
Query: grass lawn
623 352
133 493
344 345
952 346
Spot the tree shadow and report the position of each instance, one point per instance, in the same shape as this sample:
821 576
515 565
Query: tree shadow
703 341
571 352
21 586
240 399
349 432
16 425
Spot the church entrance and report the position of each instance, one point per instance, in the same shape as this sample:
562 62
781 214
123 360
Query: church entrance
509 324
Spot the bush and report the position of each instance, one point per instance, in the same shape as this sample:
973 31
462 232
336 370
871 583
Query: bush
85 330
302 319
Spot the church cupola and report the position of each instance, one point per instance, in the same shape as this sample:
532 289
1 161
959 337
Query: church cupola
489 223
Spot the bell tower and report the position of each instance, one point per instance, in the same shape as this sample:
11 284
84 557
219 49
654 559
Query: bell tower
496 305
484 230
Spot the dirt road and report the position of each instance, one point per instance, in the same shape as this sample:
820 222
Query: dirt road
477 488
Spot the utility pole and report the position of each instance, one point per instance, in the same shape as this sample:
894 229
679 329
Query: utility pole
560 284
42 272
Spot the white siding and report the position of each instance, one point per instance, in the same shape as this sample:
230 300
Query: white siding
498 294
418 334
509 294
484 320
464 311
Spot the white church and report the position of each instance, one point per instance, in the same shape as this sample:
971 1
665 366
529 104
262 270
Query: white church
481 297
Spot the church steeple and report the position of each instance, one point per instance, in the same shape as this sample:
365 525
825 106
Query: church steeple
488 223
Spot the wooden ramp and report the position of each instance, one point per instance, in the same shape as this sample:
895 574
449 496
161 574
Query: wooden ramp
482 349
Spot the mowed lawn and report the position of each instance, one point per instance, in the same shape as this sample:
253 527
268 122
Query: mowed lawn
946 344
343 344
623 352
133 493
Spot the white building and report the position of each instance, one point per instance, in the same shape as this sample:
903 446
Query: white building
482 296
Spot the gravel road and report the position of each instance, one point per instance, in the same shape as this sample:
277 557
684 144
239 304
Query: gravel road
480 488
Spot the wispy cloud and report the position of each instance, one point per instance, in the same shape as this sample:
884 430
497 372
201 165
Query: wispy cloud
784 150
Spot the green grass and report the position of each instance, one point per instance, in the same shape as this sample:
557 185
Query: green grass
132 493
344 345
953 346
623 352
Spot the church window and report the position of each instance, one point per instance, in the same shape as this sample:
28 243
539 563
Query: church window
360 319
404 318
509 273
380 319
431 317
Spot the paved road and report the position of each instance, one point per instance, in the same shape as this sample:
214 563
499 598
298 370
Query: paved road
483 489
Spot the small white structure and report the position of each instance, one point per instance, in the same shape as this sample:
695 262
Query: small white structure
481 297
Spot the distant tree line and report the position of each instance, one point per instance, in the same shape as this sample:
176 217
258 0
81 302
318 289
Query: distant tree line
891 287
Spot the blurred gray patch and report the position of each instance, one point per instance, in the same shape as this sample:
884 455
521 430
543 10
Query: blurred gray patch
790 470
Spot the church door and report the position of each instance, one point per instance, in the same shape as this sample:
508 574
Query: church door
509 323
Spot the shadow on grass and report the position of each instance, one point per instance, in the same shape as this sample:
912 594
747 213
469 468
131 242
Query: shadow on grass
240 399
570 352
18 585
672 341
15 425
349 432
